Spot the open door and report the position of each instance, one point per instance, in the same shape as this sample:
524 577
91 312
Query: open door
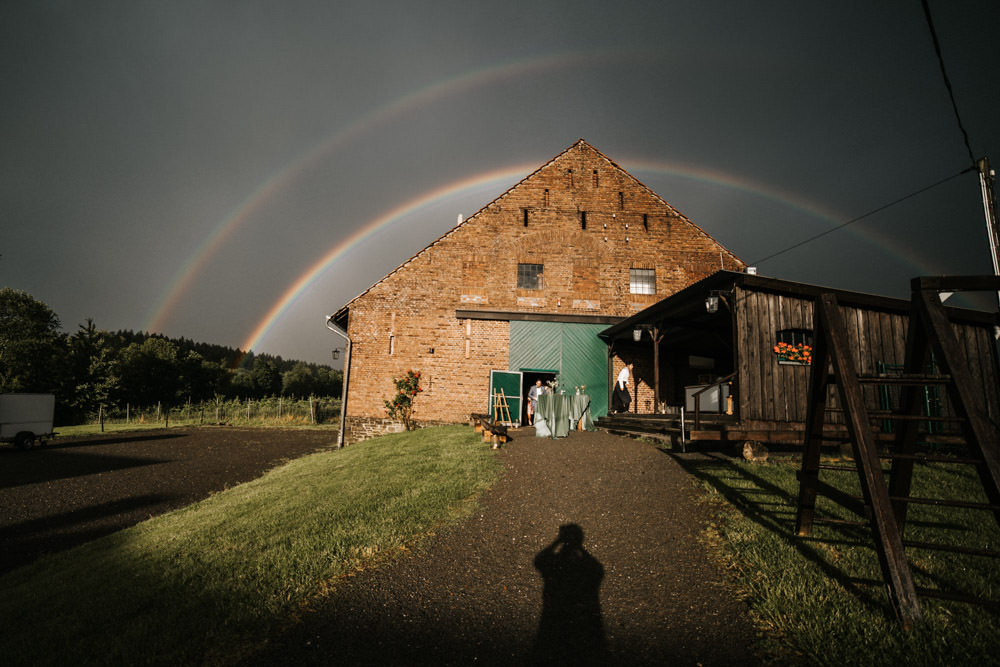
505 397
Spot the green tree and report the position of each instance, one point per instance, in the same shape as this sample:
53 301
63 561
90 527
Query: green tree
299 381
241 384
150 373
200 380
329 382
92 378
266 377
31 344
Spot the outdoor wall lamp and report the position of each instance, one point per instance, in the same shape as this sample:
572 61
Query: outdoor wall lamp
336 353
713 299
636 335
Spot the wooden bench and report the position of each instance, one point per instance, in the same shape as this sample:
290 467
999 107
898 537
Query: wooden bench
492 431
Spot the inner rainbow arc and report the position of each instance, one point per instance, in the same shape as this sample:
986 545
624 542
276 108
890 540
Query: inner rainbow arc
456 188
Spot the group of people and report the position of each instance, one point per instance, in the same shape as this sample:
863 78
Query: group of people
621 399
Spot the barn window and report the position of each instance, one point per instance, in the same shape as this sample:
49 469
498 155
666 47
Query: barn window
596 182
546 197
794 346
642 281
621 201
583 219
529 276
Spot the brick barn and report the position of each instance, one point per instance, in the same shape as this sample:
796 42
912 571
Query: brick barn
519 291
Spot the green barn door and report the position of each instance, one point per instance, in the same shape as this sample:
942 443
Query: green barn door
573 350
510 384
585 363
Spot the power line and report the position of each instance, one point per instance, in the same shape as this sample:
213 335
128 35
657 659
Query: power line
862 217
961 127
947 81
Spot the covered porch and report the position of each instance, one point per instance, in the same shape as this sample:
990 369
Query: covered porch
684 361
729 358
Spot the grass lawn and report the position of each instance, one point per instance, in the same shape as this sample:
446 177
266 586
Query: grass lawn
820 599
203 584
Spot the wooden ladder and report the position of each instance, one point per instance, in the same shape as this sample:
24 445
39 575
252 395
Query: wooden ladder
885 505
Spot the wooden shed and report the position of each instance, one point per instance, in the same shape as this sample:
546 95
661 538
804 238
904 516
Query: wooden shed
741 343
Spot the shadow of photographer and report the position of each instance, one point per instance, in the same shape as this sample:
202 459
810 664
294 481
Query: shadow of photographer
571 629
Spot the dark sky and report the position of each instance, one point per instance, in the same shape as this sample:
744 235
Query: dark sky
233 172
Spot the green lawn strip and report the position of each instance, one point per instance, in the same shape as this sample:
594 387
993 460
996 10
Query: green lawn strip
207 582
820 600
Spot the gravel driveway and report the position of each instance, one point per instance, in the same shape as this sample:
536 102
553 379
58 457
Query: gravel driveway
628 584
586 552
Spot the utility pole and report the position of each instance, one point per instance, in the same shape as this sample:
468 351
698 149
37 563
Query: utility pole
987 179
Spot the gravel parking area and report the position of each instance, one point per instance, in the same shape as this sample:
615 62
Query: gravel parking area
74 490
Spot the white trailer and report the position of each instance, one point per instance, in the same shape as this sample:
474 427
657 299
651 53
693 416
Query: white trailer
25 418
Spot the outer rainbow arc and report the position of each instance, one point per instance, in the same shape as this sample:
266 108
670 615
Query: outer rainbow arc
189 271
184 278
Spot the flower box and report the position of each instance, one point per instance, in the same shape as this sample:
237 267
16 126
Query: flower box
793 355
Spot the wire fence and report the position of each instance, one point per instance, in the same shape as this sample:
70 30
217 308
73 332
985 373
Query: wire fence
273 411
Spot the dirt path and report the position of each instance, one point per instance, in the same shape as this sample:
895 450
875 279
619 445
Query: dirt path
638 590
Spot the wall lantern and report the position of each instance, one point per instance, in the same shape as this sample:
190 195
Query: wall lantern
712 304
336 354
636 335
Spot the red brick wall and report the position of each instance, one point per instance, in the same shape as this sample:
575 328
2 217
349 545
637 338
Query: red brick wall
408 321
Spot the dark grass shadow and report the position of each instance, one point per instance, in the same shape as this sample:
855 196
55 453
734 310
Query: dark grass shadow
44 466
774 510
88 441
25 542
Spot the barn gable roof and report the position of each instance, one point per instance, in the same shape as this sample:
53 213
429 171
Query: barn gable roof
579 145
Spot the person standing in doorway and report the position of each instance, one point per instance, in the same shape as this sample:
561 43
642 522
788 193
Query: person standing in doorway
533 395
621 399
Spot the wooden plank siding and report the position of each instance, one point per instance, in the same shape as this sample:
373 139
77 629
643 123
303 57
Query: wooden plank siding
978 346
773 392
773 395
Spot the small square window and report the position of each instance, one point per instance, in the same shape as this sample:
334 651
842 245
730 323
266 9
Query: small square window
794 346
529 276
642 281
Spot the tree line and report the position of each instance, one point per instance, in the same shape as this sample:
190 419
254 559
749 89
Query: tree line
91 367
